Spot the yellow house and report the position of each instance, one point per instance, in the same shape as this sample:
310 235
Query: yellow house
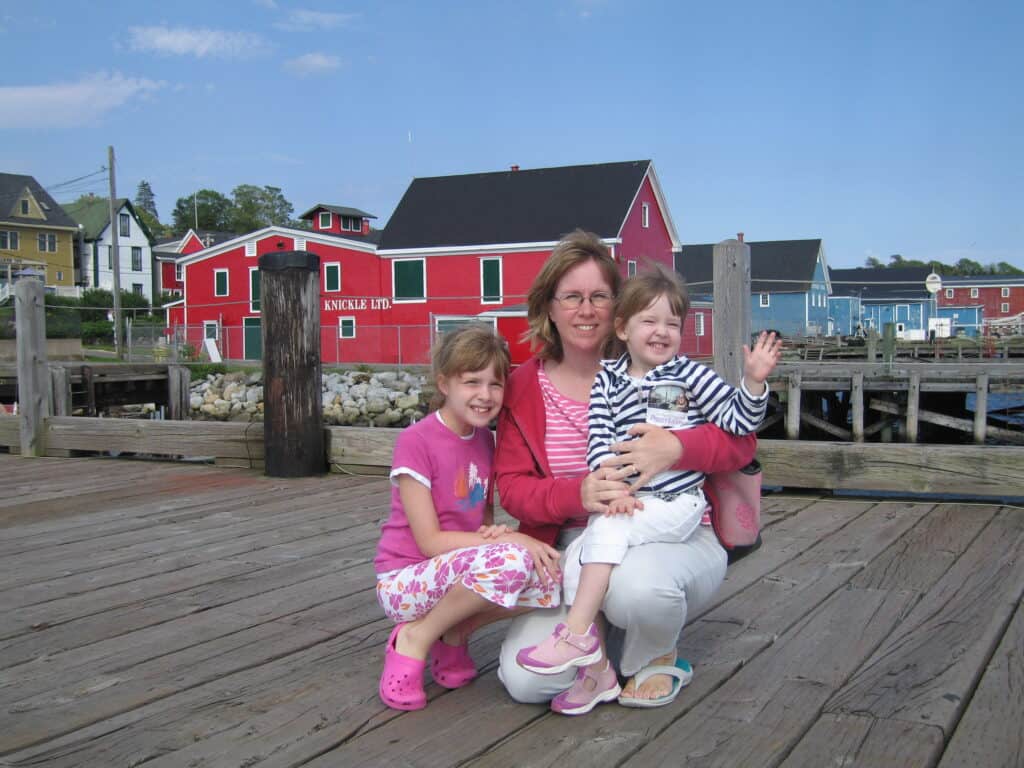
35 233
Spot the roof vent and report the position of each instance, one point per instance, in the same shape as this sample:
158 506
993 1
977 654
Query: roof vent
514 167
739 236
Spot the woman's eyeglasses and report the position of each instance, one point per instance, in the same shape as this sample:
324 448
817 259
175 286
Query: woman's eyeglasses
598 300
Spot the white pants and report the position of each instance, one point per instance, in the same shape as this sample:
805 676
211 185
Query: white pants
648 597
607 538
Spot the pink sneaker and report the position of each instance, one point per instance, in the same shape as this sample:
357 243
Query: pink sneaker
590 688
561 651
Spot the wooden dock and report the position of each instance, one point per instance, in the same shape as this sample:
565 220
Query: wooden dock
165 614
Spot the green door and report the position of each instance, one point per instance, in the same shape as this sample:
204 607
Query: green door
252 339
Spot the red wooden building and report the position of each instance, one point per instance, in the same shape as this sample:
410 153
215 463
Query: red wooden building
456 248
1000 298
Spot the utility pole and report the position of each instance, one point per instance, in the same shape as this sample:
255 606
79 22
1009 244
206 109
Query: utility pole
115 256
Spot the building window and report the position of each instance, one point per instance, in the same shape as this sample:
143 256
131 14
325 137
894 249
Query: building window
123 227
974 293
250 248
490 281
220 282
409 280
47 242
332 277
1004 307
24 207
211 330
325 219
765 300
1005 292
698 324
630 268
645 215
254 289
949 293
347 327
60 276
352 223
179 272
110 257
137 289
136 258
8 241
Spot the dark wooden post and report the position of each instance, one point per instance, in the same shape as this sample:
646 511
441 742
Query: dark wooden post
33 376
731 308
293 432
60 384
178 380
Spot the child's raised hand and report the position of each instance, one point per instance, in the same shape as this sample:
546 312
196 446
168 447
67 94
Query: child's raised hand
760 361
623 506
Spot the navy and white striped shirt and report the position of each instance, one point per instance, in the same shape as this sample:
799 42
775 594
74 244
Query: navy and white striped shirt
678 394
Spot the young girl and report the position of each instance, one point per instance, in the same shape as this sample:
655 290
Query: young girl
443 567
652 384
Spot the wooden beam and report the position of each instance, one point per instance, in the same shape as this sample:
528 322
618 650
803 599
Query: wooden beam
793 410
825 426
950 422
913 403
33 377
981 408
731 319
857 405
178 380
60 386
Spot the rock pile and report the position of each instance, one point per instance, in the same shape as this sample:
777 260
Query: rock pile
352 398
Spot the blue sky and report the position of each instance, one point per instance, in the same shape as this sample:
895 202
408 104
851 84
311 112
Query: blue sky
882 128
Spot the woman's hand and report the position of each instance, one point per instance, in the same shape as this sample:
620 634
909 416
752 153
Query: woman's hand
493 531
545 557
653 450
602 486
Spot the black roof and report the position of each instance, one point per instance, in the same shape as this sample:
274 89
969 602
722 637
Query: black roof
341 210
776 266
881 283
527 206
12 185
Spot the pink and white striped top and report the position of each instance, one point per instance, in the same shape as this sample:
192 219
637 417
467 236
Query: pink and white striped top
565 438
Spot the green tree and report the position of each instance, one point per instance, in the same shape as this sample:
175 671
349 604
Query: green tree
1005 268
212 209
256 207
874 262
969 267
145 200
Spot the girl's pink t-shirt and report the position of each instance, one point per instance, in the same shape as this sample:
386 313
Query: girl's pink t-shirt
457 470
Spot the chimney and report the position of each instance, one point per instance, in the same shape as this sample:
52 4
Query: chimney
739 236
514 167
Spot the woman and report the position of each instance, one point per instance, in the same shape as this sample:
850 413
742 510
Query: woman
543 481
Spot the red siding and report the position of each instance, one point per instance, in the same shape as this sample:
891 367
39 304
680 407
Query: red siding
989 297
645 244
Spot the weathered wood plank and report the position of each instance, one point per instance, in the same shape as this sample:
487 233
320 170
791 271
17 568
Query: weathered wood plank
913 405
949 469
793 406
33 378
10 431
731 326
982 736
927 668
952 422
857 406
981 409
851 740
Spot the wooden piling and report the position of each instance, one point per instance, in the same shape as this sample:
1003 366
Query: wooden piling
857 406
731 308
60 385
33 376
981 408
178 380
913 402
793 410
293 427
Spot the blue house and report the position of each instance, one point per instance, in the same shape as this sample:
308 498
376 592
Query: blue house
789 283
963 320
887 295
844 315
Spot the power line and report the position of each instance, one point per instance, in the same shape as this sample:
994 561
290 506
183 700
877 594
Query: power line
52 187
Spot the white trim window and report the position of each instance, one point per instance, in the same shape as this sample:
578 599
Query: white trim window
124 227
347 327
1005 292
137 288
765 300
250 248
409 281
179 272
211 330
221 283
8 240
949 293
630 267
1004 307
332 277
136 258
46 242
325 220
351 224
974 293
645 215
445 323
698 324
60 276
254 289
490 281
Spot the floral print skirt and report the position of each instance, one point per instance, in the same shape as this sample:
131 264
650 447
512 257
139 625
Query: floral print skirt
500 573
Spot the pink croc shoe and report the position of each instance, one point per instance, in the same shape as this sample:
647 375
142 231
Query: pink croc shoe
451 665
401 682
561 650
590 688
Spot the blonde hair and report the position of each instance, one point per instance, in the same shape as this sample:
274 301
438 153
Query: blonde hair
469 348
644 289
572 250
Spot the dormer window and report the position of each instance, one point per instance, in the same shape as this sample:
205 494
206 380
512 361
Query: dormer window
325 219
24 207
352 223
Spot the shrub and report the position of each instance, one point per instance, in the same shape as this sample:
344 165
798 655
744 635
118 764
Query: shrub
98 332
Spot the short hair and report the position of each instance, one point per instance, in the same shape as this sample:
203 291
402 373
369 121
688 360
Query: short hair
472 347
643 289
576 248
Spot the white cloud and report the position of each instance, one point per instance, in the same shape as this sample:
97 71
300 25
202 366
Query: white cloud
300 20
200 42
312 64
70 104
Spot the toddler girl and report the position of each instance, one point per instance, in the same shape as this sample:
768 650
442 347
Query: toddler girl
443 567
650 383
